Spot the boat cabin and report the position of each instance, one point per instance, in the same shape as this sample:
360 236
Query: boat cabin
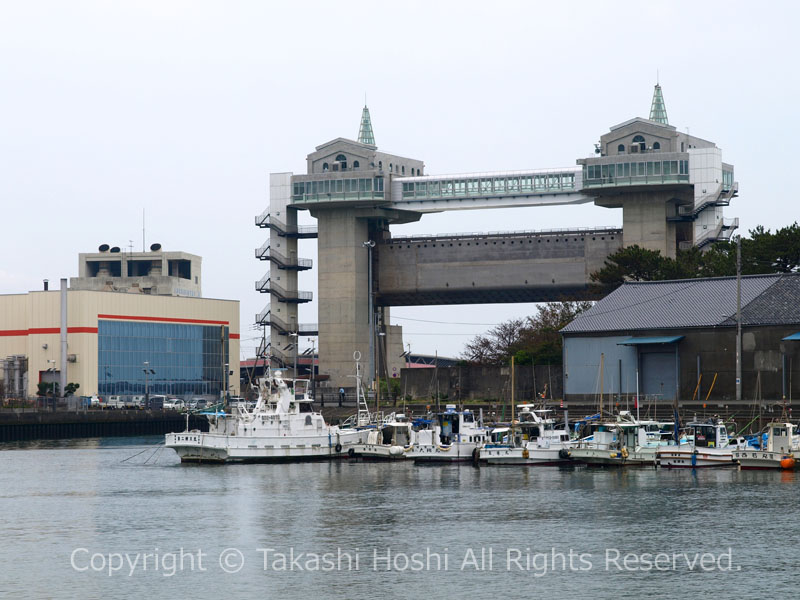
709 435
779 437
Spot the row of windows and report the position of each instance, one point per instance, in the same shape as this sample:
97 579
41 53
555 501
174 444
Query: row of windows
341 161
181 358
504 186
392 246
637 172
338 189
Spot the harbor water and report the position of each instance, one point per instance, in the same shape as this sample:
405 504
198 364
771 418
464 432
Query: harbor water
109 518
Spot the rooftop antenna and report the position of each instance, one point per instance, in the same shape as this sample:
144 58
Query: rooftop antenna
130 245
143 229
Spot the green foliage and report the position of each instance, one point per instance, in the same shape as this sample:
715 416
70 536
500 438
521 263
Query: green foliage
534 339
46 388
763 252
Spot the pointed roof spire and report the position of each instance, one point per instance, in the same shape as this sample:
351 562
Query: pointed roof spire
365 135
658 110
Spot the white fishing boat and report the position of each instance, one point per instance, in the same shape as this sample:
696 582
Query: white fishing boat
283 426
708 445
454 436
390 441
535 439
779 453
623 442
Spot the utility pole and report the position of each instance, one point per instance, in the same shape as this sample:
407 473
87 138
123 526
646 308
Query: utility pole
739 318
369 245
313 354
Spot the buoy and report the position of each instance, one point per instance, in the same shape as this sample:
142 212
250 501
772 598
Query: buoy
787 463
525 453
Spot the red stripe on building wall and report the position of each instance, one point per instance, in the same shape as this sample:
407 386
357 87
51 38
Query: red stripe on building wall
162 319
46 330
234 336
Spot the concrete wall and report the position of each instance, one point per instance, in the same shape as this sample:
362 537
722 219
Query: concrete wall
475 382
29 325
508 268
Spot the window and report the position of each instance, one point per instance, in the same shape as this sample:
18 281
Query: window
656 146
390 168
380 165
342 160
356 164
621 149
404 169
638 144
324 167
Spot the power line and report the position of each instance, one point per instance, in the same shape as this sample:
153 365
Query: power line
443 322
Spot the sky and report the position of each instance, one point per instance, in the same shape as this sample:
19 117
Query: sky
181 109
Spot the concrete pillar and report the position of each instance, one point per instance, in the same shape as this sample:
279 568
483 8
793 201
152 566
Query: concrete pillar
644 218
343 293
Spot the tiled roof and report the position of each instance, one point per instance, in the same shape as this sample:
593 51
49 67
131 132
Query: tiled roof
766 299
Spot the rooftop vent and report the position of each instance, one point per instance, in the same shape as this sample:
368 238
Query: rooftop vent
103 248
155 247
115 249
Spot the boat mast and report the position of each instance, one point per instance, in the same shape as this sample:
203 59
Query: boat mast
739 318
602 368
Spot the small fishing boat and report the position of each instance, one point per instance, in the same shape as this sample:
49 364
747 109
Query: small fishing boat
535 439
390 441
779 453
283 426
455 436
708 445
623 442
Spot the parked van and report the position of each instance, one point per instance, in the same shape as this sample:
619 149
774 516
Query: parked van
156 402
115 402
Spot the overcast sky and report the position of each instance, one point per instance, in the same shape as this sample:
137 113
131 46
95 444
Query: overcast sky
183 108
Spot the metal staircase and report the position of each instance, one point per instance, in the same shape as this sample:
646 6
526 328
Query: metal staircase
283 262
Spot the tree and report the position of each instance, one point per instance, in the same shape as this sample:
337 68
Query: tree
763 252
535 339
497 345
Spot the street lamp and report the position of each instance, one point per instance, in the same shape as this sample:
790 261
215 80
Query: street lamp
147 372
369 245
313 353
227 385
294 375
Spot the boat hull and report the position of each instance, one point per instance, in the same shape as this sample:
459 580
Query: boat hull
688 458
198 447
377 452
642 457
456 452
542 457
758 459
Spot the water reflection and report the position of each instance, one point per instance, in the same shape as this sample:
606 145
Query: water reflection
86 494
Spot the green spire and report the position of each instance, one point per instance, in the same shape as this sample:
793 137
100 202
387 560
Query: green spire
365 135
658 110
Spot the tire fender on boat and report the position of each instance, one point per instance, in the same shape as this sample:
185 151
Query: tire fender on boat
525 453
351 453
338 448
563 453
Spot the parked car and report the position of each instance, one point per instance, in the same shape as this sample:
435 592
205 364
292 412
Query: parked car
174 404
197 403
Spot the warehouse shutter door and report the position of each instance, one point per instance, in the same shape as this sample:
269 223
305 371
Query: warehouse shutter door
658 374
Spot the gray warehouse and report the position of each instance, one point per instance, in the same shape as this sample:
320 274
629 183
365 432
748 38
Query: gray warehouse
681 336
